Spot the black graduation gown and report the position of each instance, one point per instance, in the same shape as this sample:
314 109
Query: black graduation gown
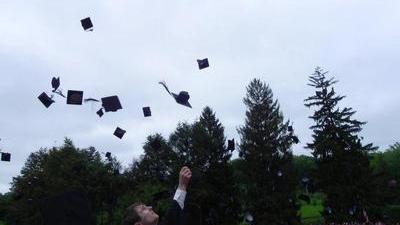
174 215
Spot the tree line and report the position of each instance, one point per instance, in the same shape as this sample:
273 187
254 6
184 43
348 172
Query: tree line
266 181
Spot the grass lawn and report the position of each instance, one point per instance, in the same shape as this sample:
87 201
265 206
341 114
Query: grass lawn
311 213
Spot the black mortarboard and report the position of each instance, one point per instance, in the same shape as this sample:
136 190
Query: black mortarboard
87 24
74 97
55 83
45 99
295 139
231 144
119 132
290 128
100 112
111 103
108 154
203 63
305 198
5 157
182 98
146 111
71 207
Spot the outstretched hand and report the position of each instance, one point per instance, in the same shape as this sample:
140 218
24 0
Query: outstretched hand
184 178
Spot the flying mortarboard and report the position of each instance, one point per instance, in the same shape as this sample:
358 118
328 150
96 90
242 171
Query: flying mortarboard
111 103
100 112
181 98
55 83
146 111
74 97
203 63
45 99
295 139
119 132
231 144
290 128
108 154
87 24
5 157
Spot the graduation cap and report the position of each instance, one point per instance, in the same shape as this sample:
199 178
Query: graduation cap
203 63
111 103
87 24
290 128
181 98
5 157
45 99
55 83
305 198
146 111
295 139
100 112
119 132
108 154
74 97
71 207
231 144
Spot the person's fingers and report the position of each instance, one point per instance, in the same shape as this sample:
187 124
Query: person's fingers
186 173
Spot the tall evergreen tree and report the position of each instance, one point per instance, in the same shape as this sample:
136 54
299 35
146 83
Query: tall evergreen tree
201 146
266 150
156 162
343 171
220 205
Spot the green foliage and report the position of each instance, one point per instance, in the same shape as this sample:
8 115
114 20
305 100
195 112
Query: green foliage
267 159
343 171
49 172
201 146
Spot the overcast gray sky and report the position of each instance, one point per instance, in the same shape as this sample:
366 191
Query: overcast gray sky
135 44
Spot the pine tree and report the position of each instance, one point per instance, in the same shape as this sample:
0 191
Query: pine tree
343 172
201 146
219 203
156 162
266 150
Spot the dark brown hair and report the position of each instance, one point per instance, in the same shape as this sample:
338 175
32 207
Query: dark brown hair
131 216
